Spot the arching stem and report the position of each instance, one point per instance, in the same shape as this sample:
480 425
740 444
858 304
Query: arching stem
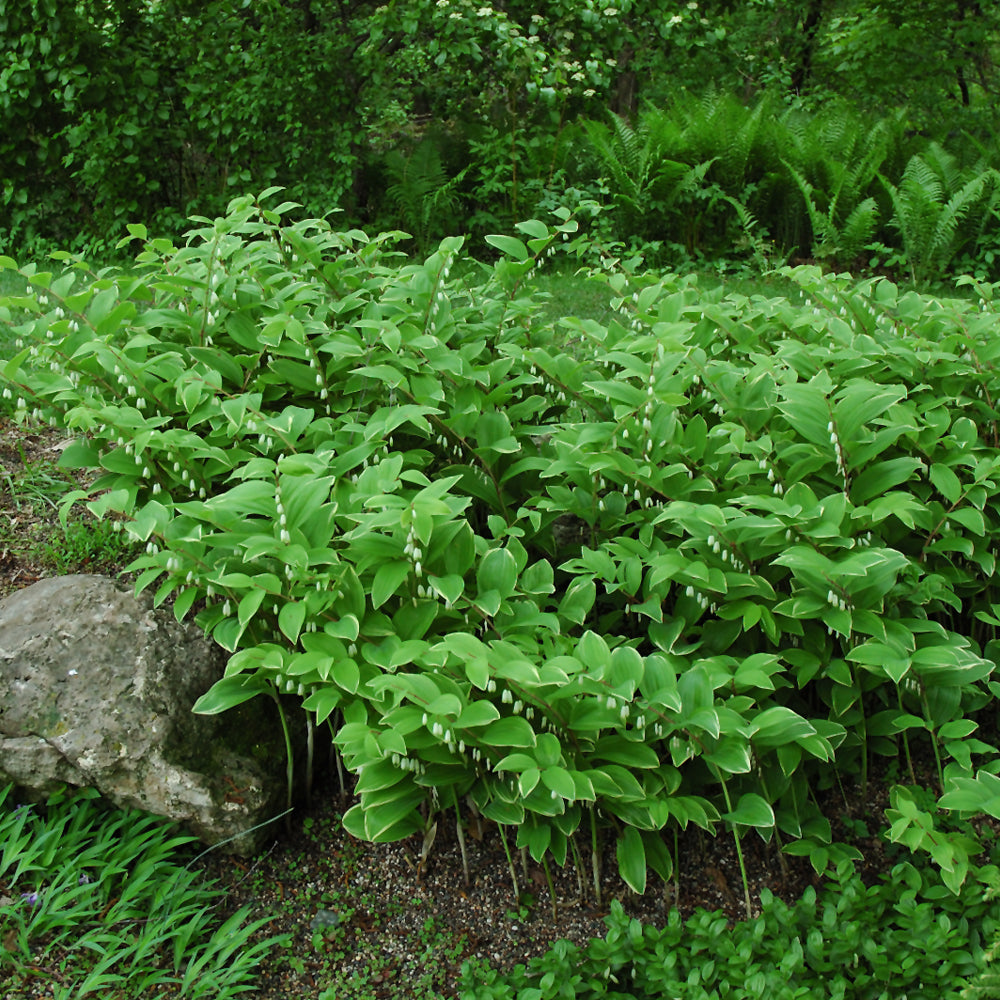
310 748
289 759
595 861
461 841
739 851
510 861
552 888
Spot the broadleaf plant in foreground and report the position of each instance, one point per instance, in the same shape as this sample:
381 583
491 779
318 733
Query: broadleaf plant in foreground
686 566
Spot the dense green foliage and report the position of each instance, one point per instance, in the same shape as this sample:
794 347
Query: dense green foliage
103 894
711 176
693 562
444 116
682 567
905 936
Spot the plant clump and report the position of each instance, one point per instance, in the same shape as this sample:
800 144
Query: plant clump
685 567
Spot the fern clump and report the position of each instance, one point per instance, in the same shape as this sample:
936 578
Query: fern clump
423 197
932 205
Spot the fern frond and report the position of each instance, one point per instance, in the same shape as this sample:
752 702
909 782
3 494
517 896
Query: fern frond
664 132
857 179
739 137
944 165
817 217
954 213
629 146
858 229
623 153
922 181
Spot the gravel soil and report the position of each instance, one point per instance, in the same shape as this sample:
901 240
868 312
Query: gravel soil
370 917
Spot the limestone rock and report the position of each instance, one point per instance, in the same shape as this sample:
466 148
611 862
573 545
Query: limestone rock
96 689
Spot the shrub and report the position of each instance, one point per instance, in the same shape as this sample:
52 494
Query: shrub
688 566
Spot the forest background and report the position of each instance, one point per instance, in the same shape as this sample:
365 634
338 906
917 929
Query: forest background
827 129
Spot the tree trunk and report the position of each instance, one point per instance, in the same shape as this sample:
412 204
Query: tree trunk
623 102
800 76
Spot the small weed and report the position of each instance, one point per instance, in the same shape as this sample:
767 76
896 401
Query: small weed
856 827
296 964
38 485
525 901
87 546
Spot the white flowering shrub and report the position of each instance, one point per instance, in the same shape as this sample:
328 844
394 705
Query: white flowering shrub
692 565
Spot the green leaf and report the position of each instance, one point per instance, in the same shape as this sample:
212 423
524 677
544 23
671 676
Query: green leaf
324 701
473 654
626 670
512 731
527 780
583 786
779 725
631 853
447 705
619 750
756 670
507 813
591 716
751 810
229 692
493 433
548 750
290 619
560 781
537 578
807 409
478 713
80 454
536 837
388 578
227 633
353 822
250 604
578 600
859 402
347 627
396 819
592 651
534 228
497 571
695 689
378 775
978 795
969 518
732 755
509 245
516 762
448 587
945 482
957 729
877 479
345 674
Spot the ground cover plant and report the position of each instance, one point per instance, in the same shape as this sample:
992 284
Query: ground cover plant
96 902
689 566
823 945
